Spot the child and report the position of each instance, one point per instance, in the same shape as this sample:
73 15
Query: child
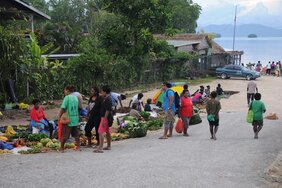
213 107
147 107
258 108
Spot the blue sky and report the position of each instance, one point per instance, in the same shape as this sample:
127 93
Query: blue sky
266 12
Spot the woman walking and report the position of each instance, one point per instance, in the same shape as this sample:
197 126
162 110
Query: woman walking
186 111
94 108
213 107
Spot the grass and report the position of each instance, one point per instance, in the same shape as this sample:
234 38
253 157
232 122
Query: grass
197 81
157 85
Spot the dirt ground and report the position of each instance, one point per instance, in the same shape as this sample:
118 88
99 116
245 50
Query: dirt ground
267 86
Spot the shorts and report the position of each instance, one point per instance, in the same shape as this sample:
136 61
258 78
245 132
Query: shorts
169 120
106 128
214 123
257 123
70 130
186 121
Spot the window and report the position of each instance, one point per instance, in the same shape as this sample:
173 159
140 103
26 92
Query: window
230 67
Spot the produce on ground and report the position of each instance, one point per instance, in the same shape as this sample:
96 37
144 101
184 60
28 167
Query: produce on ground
145 115
5 151
154 124
4 138
10 131
31 151
20 135
134 128
36 137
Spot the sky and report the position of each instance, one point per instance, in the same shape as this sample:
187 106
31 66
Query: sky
265 12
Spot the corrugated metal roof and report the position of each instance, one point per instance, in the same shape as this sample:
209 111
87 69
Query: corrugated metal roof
179 43
23 7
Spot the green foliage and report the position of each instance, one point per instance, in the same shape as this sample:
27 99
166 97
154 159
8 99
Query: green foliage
184 15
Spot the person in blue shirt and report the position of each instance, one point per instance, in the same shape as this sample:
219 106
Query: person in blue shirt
169 109
147 107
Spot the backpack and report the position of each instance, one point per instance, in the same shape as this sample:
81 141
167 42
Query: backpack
176 99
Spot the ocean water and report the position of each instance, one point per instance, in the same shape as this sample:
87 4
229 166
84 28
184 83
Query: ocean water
255 49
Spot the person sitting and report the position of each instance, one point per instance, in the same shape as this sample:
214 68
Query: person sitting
147 107
38 119
201 90
208 91
219 90
197 98
134 113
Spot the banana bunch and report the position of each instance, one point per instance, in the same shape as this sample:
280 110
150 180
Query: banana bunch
5 151
23 106
4 138
10 131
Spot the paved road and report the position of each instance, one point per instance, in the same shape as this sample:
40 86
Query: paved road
235 160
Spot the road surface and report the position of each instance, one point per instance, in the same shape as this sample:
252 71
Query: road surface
235 160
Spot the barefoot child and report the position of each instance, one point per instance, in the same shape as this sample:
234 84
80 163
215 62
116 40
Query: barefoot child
258 108
213 107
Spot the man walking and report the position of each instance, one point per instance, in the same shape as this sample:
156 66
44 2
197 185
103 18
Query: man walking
251 90
169 109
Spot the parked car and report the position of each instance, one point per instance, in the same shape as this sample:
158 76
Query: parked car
236 71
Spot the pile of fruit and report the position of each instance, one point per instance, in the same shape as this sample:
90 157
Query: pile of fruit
5 151
119 136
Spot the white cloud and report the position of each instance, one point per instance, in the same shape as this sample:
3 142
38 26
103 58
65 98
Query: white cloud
249 11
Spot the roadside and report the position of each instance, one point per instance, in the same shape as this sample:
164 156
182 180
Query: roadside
21 117
274 173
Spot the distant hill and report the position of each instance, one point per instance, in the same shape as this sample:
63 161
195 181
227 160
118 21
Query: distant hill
243 30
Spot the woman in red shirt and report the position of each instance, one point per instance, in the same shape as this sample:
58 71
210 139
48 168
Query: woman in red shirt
186 111
38 119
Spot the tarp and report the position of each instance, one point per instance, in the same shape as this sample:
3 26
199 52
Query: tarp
159 95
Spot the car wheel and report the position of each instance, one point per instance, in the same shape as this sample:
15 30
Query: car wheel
249 77
223 76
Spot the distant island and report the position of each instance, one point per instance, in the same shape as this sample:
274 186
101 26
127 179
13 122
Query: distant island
242 30
252 36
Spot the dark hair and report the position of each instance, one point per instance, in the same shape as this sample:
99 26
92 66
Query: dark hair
257 96
185 90
208 86
70 88
106 89
218 85
149 101
134 106
167 84
213 94
185 86
140 95
202 87
35 101
123 97
96 89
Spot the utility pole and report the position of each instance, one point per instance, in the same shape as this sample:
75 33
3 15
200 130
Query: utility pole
234 33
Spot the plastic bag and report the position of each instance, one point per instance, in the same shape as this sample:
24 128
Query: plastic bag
179 126
250 116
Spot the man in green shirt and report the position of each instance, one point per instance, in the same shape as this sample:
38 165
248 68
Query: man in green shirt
70 107
258 108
